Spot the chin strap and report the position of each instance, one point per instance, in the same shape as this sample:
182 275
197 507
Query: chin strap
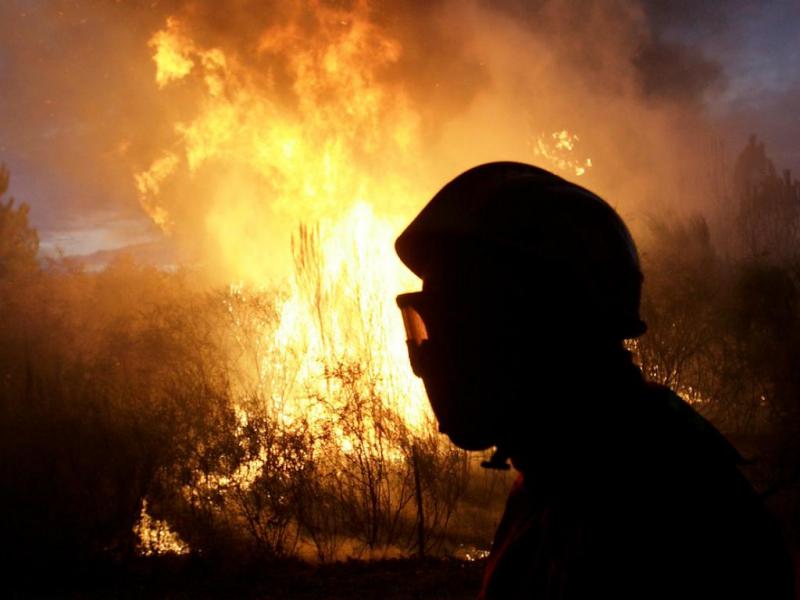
498 461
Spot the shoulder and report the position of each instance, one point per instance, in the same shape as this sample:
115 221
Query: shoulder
677 430
680 473
684 504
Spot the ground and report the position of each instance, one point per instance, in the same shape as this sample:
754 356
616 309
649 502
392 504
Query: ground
406 579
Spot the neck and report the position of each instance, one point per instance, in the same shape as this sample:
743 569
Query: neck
574 414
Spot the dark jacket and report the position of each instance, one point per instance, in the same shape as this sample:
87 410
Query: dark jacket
650 504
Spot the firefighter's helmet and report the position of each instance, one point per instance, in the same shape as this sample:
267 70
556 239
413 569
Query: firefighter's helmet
565 241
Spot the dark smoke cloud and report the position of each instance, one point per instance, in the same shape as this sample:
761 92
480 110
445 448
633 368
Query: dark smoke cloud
757 45
710 15
674 63
675 71
667 69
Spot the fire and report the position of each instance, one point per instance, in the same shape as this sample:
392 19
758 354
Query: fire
171 53
156 537
558 149
336 152
149 185
320 138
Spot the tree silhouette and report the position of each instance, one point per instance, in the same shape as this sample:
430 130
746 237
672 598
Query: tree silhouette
19 242
768 214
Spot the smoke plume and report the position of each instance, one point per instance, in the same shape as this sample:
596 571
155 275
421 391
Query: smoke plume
423 90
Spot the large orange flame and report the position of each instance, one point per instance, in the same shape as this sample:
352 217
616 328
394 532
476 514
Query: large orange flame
329 143
332 154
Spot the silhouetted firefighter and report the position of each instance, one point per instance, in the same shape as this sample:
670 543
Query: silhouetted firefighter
530 286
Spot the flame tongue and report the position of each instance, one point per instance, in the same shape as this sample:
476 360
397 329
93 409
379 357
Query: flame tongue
268 160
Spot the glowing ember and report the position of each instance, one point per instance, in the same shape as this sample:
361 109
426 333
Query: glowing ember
558 150
155 537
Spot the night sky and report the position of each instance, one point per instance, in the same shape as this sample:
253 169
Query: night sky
757 45
77 86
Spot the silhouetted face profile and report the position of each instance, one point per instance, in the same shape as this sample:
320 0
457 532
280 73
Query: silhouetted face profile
456 311
517 266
